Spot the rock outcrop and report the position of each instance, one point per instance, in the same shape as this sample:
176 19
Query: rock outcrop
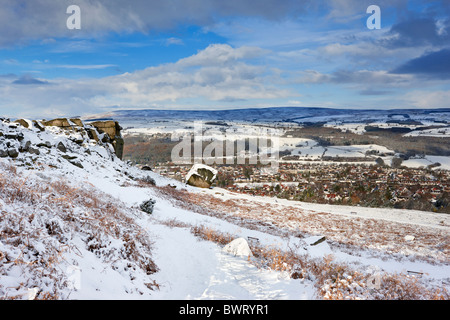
24 139
112 131
104 131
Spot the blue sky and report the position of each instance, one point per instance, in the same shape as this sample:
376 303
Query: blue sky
198 54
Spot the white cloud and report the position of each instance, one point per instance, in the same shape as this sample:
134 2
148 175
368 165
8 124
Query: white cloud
174 41
217 73
84 66
46 19
379 78
221 54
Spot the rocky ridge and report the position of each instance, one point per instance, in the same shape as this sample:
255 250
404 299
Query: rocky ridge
26 139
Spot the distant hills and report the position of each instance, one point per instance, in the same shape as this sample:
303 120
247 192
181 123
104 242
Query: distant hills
284 114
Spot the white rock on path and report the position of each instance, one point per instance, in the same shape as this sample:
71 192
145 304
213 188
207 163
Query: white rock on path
238 247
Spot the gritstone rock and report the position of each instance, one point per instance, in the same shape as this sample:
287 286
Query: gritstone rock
147 206
201 176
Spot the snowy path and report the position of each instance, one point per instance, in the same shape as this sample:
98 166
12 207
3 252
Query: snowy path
236 278
195 269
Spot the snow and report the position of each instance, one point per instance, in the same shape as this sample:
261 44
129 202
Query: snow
309 149
212 274
413 217
188 267
427 160
443 132
358 128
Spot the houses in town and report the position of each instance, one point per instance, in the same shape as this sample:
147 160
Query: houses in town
350 183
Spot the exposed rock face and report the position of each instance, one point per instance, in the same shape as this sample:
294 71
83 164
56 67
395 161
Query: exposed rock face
112 130
201 176
23 122
62 123
106 131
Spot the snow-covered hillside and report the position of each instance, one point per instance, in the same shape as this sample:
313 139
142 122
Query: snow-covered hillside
281 115
71 228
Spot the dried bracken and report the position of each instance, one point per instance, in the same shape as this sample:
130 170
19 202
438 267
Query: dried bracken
39 221
354 232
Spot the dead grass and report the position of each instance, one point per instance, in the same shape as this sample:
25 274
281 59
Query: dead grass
210 234
350 234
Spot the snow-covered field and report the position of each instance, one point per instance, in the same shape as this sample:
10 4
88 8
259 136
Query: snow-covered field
443 132
304 149
311 150
68 232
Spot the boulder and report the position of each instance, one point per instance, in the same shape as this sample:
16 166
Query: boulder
60 122
45 144
25 146
92 134
14 135
147 206
76 163
118 144
13 152
33 150
38 125
61 147
77 122
201 176
23 123
73 160
103 132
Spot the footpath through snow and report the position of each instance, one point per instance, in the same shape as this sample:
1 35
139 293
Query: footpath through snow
213 274
190 268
